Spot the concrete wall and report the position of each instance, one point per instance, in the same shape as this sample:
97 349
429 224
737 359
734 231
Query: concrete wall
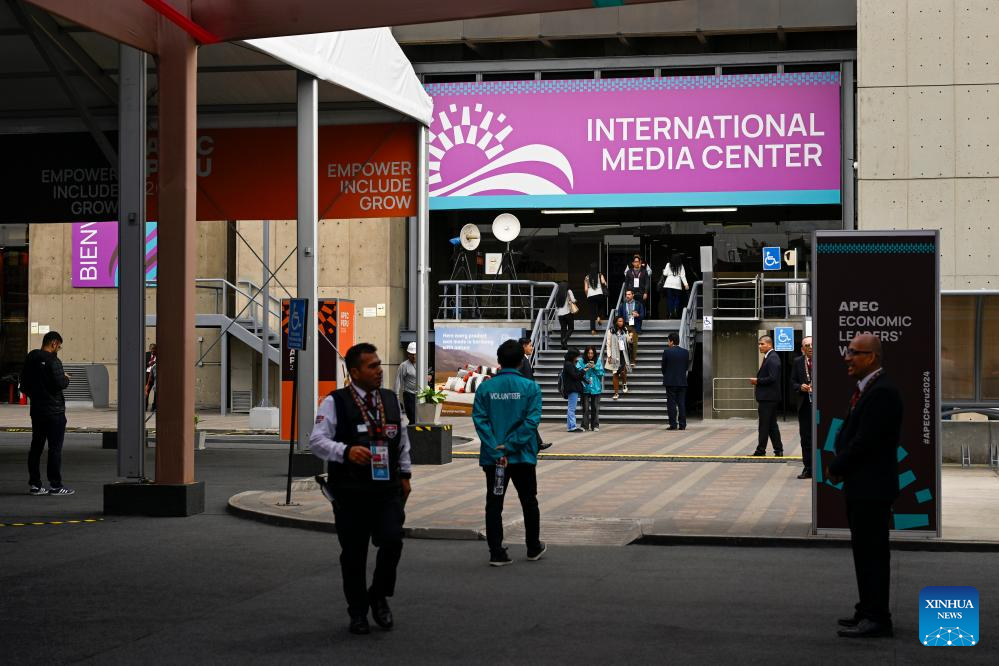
363 260
87 319
928 128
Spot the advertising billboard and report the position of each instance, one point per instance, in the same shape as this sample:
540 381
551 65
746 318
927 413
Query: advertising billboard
95 254
886 283
669 141
464 357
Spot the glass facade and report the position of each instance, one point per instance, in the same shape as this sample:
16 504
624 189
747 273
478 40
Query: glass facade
957 352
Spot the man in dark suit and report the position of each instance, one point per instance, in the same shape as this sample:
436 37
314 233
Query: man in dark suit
801 386
768 384
867 464
675 362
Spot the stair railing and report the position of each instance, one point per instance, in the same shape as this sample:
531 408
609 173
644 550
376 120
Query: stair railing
688 320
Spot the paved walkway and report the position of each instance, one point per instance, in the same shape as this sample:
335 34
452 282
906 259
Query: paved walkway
14 417
687 485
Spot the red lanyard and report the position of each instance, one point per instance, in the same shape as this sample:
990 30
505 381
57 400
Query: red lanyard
368 417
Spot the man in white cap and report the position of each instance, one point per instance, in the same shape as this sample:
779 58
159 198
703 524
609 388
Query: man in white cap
406 385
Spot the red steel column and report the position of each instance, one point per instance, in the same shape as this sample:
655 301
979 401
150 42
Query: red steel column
177 260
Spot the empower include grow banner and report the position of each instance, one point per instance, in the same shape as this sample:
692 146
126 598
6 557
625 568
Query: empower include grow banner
672 141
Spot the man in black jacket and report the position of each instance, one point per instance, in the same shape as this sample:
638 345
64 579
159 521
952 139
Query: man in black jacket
43 379
867 464
675 362
801 386
360 433
768 384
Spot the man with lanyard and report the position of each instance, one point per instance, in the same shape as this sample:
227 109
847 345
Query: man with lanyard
360 433
633 312
636 278
801 384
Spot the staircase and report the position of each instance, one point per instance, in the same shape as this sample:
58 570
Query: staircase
645 401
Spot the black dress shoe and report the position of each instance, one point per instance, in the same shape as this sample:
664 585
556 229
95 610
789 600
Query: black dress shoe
778 454
359 625
806 474
867 629
672 428
851 621
759 453
380 611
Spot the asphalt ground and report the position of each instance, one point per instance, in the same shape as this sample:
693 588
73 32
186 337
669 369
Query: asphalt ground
214 588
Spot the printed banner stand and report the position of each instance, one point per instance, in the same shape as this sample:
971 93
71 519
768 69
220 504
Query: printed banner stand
298 309
902 307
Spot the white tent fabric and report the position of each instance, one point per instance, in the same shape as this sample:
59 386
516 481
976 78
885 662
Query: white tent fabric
368 62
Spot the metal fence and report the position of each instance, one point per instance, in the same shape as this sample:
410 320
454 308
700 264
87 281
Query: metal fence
759 297
494 299
732 394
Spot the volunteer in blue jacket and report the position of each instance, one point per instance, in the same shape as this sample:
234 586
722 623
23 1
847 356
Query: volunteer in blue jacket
506 414
593 385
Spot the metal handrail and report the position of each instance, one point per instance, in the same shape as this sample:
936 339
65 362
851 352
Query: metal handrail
542 324
510 295
715 389
687 319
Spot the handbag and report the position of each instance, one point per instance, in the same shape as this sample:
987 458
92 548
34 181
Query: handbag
573 308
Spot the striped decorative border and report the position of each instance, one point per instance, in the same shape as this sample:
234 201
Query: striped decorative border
634 84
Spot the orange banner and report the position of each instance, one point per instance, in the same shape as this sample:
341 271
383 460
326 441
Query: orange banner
250 173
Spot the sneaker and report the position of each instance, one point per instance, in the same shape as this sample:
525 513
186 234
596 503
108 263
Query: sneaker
597 429
535 555
38 490
577 429
625 388
62 490
544 445
500 560
615 396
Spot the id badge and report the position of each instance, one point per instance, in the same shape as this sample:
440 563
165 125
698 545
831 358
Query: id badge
631 320
379 462
636 283
620 344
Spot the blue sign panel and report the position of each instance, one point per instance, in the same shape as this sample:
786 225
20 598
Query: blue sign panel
297 316
784 338
771 259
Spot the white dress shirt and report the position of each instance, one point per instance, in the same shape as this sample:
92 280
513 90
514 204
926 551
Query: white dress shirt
325 447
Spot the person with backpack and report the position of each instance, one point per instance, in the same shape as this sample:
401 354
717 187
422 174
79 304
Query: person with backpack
570 386
43 381
593 386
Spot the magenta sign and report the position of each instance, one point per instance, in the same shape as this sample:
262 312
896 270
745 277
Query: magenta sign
95 254
751 139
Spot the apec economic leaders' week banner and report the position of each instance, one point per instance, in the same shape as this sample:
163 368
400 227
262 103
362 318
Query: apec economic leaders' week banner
672 141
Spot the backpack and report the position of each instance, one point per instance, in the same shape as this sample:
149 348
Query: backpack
561 384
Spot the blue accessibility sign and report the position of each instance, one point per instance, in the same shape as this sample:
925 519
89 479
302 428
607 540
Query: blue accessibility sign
771 259
784 338
297 316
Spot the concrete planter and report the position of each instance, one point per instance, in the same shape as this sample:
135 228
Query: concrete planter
200 437
430 444
428 412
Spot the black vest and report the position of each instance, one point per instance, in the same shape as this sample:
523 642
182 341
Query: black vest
351 476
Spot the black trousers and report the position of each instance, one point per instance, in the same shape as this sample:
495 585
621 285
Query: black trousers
525 479
805 429
676 406
869 522
51 429
598 308
409 404
768 426
565 329
591 410
361 517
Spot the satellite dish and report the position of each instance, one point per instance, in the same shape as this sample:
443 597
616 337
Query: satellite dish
506 227
470 237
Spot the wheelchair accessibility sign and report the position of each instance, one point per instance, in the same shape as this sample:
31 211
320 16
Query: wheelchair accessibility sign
771 259
784 338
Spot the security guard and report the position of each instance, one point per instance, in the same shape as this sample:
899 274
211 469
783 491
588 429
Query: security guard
360 433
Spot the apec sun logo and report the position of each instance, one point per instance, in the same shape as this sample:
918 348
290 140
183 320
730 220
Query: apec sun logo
948 616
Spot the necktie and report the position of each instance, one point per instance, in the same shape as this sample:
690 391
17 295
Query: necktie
854 398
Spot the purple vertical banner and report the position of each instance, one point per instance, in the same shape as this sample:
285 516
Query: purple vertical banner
95 254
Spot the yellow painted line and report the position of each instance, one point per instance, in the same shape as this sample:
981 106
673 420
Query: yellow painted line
651 456
54 522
